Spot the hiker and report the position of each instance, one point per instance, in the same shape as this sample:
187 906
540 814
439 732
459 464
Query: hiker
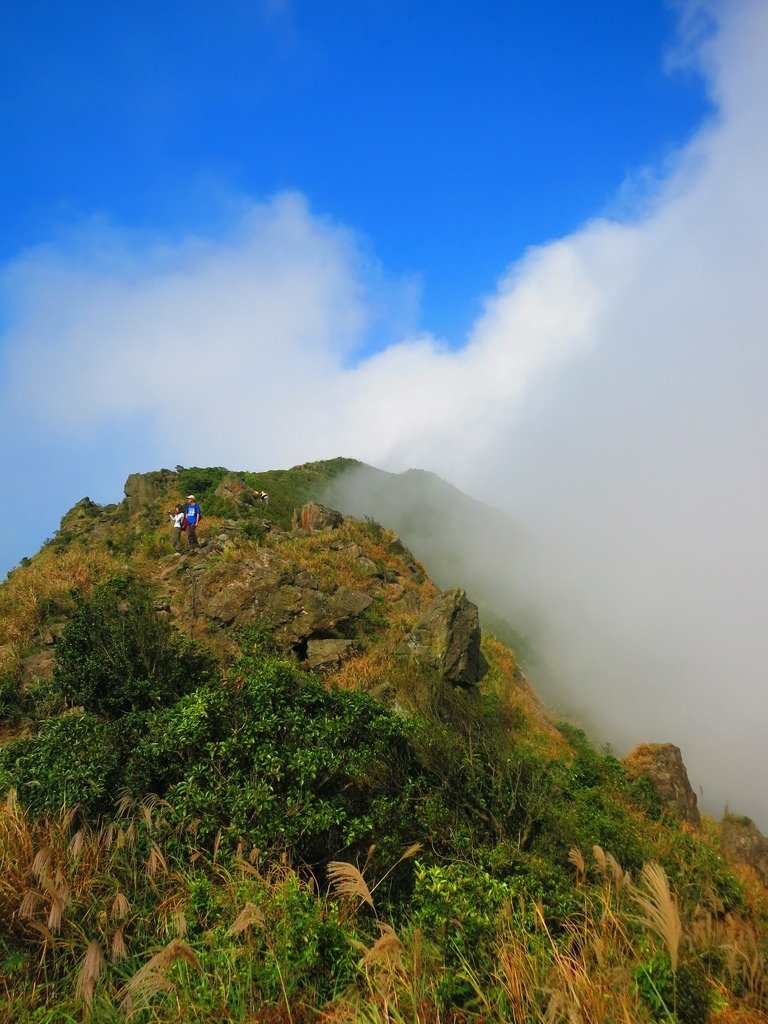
263 497
194 515
179 520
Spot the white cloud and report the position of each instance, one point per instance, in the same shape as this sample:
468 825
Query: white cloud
612 394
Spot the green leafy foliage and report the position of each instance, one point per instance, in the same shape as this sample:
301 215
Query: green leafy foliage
276 760
270 757
117 655
15 704
683 996
289 489
72 761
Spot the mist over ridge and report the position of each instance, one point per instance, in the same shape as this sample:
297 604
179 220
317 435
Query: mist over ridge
610 397
624 683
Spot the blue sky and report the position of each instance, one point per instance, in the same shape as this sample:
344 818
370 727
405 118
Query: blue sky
500 241
450 136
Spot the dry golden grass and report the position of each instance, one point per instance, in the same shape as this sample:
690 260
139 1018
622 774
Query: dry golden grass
89 974
374 666
342 567
249 916
119 949
328 565
659 909
347 883
518 699
30 591
53 880
363 671
150 979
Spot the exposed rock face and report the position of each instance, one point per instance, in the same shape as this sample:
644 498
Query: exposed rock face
662 763
37 666
447 638
78 513
271 587
143 488
325 654
396 547
742 841
314 517
232 488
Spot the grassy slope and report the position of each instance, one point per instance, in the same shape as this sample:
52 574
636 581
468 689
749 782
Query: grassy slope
497 795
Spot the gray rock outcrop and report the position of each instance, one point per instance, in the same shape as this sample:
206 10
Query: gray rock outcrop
396 547
447 638
232 488
327 654
144 488
313 517
37 667
662 763
742 841
270 587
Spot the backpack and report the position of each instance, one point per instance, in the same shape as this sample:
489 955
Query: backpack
184 523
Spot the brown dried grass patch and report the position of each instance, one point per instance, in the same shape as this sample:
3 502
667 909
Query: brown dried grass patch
519 699
362 672
150 979
27 594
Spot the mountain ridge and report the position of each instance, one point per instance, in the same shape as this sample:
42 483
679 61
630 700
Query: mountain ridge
333 699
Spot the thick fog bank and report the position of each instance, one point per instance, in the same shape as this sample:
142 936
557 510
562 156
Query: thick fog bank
610 397
620 612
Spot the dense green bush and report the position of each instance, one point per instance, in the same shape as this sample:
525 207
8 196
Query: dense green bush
682 996
15 704
269 757
282 763
72 761
117 655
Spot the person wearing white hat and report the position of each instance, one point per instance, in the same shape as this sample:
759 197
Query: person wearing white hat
194 515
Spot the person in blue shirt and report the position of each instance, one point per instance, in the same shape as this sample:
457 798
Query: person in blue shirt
194 515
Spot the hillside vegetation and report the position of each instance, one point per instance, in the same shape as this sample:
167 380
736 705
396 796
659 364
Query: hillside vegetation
285 780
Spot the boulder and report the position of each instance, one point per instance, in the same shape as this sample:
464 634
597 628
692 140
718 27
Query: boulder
742 841
143 488
662 763
447 638
396 547
327 654
232 488
313 517
270 587
37 666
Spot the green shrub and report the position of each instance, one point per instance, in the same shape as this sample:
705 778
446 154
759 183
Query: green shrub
683 996
282 763
271 757
655 984
459 905
160 746
116 654
47 699
496 790
72 761
693 992
15 704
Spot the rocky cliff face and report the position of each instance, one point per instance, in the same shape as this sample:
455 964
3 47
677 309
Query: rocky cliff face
662 763
447 639
268 586
742 841
330 590
143 488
